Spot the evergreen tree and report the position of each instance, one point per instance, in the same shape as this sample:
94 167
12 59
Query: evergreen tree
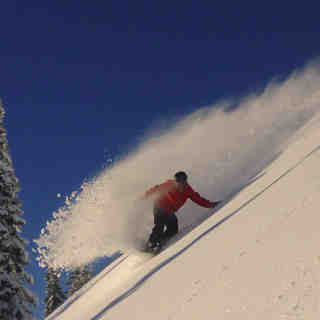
78 278
54 294
15 299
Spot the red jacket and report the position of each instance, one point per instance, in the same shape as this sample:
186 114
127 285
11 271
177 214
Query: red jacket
170 199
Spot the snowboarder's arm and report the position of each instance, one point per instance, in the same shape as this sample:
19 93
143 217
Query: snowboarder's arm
157 188
195 197
151 191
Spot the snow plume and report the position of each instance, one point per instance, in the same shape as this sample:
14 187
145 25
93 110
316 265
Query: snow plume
220 147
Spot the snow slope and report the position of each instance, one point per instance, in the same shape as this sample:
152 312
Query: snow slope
257 257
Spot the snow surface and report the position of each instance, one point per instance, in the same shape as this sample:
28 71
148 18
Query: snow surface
257 257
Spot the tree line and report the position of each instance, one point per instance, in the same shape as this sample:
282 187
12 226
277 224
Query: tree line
55 294
16 300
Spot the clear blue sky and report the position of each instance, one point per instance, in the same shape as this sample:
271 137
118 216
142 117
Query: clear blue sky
81 80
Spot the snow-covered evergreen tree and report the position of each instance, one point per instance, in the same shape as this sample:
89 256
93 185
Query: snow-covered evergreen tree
54 293
15 299
78 278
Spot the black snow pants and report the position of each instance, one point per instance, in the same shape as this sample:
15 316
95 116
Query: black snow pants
165 225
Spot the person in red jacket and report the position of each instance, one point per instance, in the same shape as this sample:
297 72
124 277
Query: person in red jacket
168 198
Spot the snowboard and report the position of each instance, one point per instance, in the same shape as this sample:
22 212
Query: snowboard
155 250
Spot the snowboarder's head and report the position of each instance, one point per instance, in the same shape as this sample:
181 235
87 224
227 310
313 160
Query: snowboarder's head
181 179
181 176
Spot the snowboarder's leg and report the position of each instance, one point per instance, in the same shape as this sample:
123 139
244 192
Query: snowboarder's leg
171 225
158 229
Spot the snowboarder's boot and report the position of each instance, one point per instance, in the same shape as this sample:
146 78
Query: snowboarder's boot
150 246
157 248
153 247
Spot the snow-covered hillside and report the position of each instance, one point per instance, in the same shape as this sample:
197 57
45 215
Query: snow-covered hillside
257 257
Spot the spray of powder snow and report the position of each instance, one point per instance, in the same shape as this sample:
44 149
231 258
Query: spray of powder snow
220 147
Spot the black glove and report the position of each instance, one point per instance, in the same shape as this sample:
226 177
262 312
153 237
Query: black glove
216 203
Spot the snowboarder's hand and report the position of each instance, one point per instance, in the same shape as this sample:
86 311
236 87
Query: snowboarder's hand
215 204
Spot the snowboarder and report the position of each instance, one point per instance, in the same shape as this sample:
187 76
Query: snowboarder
169 197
